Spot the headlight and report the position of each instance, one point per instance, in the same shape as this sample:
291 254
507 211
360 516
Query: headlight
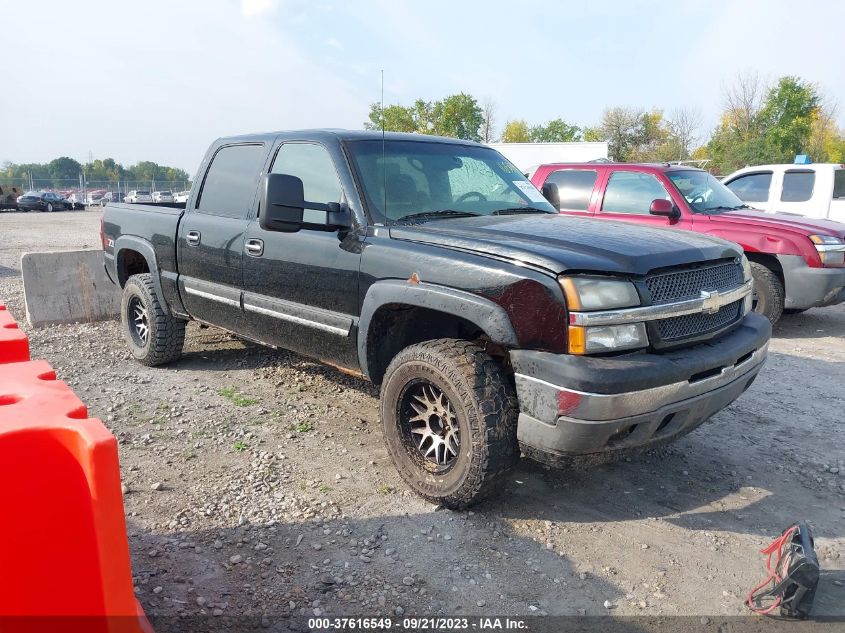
831 250
588 294
606 338
746 268
595 293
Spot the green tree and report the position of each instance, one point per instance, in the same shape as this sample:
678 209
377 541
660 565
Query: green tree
787 116
555 131
396 118
64 168
516 132
458 116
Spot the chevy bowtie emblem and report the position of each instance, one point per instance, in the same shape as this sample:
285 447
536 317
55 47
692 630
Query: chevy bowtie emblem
712 301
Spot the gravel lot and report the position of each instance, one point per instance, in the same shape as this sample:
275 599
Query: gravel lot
257 483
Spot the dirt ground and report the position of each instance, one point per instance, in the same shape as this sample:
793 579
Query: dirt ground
257 484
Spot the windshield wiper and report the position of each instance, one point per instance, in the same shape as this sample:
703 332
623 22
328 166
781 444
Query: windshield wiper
428 215
517 210
726 208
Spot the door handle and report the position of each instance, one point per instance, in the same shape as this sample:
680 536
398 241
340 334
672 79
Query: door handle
193 237
255 247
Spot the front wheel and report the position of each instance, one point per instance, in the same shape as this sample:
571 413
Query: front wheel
153 337
449 414
768 292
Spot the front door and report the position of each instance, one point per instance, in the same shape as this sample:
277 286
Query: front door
301 289
211 236
628 196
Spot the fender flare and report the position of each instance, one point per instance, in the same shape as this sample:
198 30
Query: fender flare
488 316
134 243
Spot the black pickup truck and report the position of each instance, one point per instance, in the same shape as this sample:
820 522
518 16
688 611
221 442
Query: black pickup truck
432 267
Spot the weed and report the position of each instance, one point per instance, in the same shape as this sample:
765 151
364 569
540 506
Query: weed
236 397
240 447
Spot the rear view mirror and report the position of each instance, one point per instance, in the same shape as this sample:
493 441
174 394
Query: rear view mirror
282 203
552 194
664 208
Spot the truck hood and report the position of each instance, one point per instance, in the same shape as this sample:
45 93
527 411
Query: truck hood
782 221
558 243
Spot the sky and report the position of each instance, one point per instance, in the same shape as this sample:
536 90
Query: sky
160 79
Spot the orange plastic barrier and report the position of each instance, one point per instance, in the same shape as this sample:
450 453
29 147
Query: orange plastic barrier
14 345
63 547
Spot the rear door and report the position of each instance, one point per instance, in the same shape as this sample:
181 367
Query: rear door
628 195
211 235
301 289
576 190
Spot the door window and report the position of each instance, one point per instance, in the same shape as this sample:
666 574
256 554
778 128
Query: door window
575 186
632 192
231 181
312 164
798 186
752 187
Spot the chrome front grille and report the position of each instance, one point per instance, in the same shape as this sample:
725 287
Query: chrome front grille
688 284
681 327
678 285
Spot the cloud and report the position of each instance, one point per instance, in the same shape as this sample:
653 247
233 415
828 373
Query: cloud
251 8
334 43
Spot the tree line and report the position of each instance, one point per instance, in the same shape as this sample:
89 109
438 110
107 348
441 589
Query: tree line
63 172
759 123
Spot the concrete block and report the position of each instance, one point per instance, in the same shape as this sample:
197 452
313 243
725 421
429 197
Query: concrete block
67 287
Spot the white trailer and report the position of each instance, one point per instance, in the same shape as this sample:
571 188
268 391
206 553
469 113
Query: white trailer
528 156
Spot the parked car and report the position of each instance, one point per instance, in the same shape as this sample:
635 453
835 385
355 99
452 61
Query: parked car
797 263
815 191
113 196
162 196
138 197
43 201
434 268
181 196
94 200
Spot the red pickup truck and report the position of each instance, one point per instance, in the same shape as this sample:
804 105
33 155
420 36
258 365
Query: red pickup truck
797 263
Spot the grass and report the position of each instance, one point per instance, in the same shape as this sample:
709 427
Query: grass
236 397
324 488
302 427
240 447
385 490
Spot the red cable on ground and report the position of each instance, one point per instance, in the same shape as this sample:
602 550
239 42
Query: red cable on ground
774 577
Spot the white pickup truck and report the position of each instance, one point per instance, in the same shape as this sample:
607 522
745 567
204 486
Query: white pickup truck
815 190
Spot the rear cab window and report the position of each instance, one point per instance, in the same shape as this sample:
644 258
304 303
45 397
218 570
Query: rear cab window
231 181
574 188
798 185
839 183
752 187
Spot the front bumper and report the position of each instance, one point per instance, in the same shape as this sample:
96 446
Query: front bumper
808 287
576 405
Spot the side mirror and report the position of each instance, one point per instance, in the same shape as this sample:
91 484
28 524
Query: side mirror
282 203
664 207
552 194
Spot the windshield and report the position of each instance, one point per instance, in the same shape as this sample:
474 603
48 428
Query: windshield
143 193
413 181
704 193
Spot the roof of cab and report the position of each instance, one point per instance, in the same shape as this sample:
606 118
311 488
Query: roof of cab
638 166
325 134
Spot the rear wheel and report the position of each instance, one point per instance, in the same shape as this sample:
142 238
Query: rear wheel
768 292
153 337
449 414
